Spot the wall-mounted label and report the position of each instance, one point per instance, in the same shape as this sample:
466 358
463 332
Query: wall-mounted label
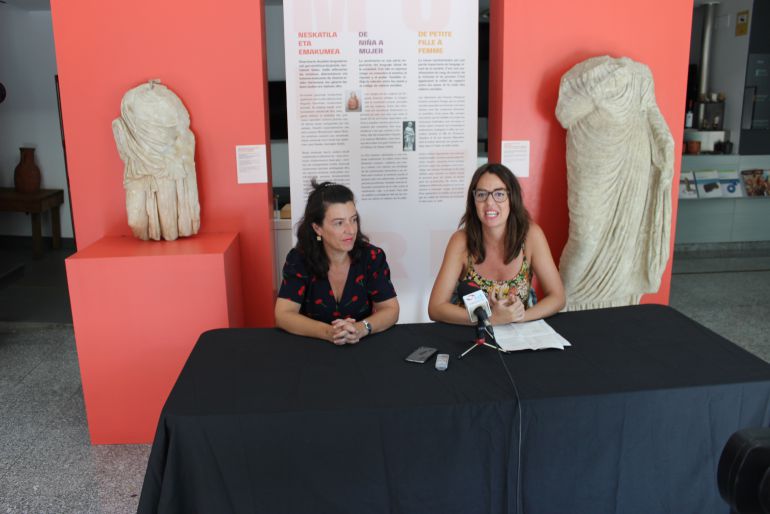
251 162
742 23
515 155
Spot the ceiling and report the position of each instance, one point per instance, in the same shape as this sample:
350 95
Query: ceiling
30 5
45 5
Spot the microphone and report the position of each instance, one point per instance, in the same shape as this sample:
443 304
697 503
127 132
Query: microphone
476 303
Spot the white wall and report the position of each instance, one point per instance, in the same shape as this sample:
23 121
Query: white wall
29 116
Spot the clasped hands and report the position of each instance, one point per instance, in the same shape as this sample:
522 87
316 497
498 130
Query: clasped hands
506 307
345 331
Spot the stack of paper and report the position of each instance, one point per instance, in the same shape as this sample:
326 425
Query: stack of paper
533 335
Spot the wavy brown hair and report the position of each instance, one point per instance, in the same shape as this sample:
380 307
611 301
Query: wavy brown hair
312 250
516 226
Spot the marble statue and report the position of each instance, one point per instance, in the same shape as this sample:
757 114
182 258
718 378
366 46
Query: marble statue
156 144
620 166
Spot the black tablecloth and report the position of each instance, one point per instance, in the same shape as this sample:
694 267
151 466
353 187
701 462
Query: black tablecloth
631 419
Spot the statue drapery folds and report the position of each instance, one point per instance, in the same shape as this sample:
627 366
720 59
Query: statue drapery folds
156 144
620 166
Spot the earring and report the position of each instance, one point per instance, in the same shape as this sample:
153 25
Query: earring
317 238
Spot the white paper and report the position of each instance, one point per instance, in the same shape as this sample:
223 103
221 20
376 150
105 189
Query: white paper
515 155
532 335
251 162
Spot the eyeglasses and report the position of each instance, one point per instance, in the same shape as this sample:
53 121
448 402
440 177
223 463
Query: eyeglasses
498 195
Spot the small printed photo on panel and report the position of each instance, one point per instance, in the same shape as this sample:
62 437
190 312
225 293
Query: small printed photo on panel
353 101
409 135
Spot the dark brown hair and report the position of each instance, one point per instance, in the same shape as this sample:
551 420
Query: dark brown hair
312 250
516 226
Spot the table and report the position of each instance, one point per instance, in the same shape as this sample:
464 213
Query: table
632 418
36 204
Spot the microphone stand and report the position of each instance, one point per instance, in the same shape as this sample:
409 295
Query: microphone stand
481 340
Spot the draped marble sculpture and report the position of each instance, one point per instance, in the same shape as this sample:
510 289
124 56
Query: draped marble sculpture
620 165
156 144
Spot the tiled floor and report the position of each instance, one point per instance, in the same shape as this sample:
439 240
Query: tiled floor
730 295
48 465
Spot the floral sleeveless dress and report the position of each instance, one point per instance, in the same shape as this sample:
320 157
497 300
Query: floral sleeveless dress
521 284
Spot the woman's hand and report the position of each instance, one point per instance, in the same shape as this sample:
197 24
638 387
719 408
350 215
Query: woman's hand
345 331
505 308
339 331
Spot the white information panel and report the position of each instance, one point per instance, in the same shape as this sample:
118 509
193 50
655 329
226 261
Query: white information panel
382 97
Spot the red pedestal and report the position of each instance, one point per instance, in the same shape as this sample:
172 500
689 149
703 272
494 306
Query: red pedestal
137 308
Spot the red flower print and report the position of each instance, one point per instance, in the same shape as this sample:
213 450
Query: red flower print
374 293
353 300
318 302
379 251
385 272
285 282
313 279
359 278
374 274
336 314
374 255
474 284
301 291
331 292
299 275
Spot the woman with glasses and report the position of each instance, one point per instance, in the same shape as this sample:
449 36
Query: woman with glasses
498 249
336 285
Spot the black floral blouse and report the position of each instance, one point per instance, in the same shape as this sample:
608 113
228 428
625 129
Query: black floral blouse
368 282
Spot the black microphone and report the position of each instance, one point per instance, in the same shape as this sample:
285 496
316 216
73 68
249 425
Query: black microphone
476 303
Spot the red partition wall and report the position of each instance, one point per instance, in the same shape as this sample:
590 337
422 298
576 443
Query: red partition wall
533 43
212 56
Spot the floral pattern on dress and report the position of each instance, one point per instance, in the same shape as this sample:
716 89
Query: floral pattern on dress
521 284
368 282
